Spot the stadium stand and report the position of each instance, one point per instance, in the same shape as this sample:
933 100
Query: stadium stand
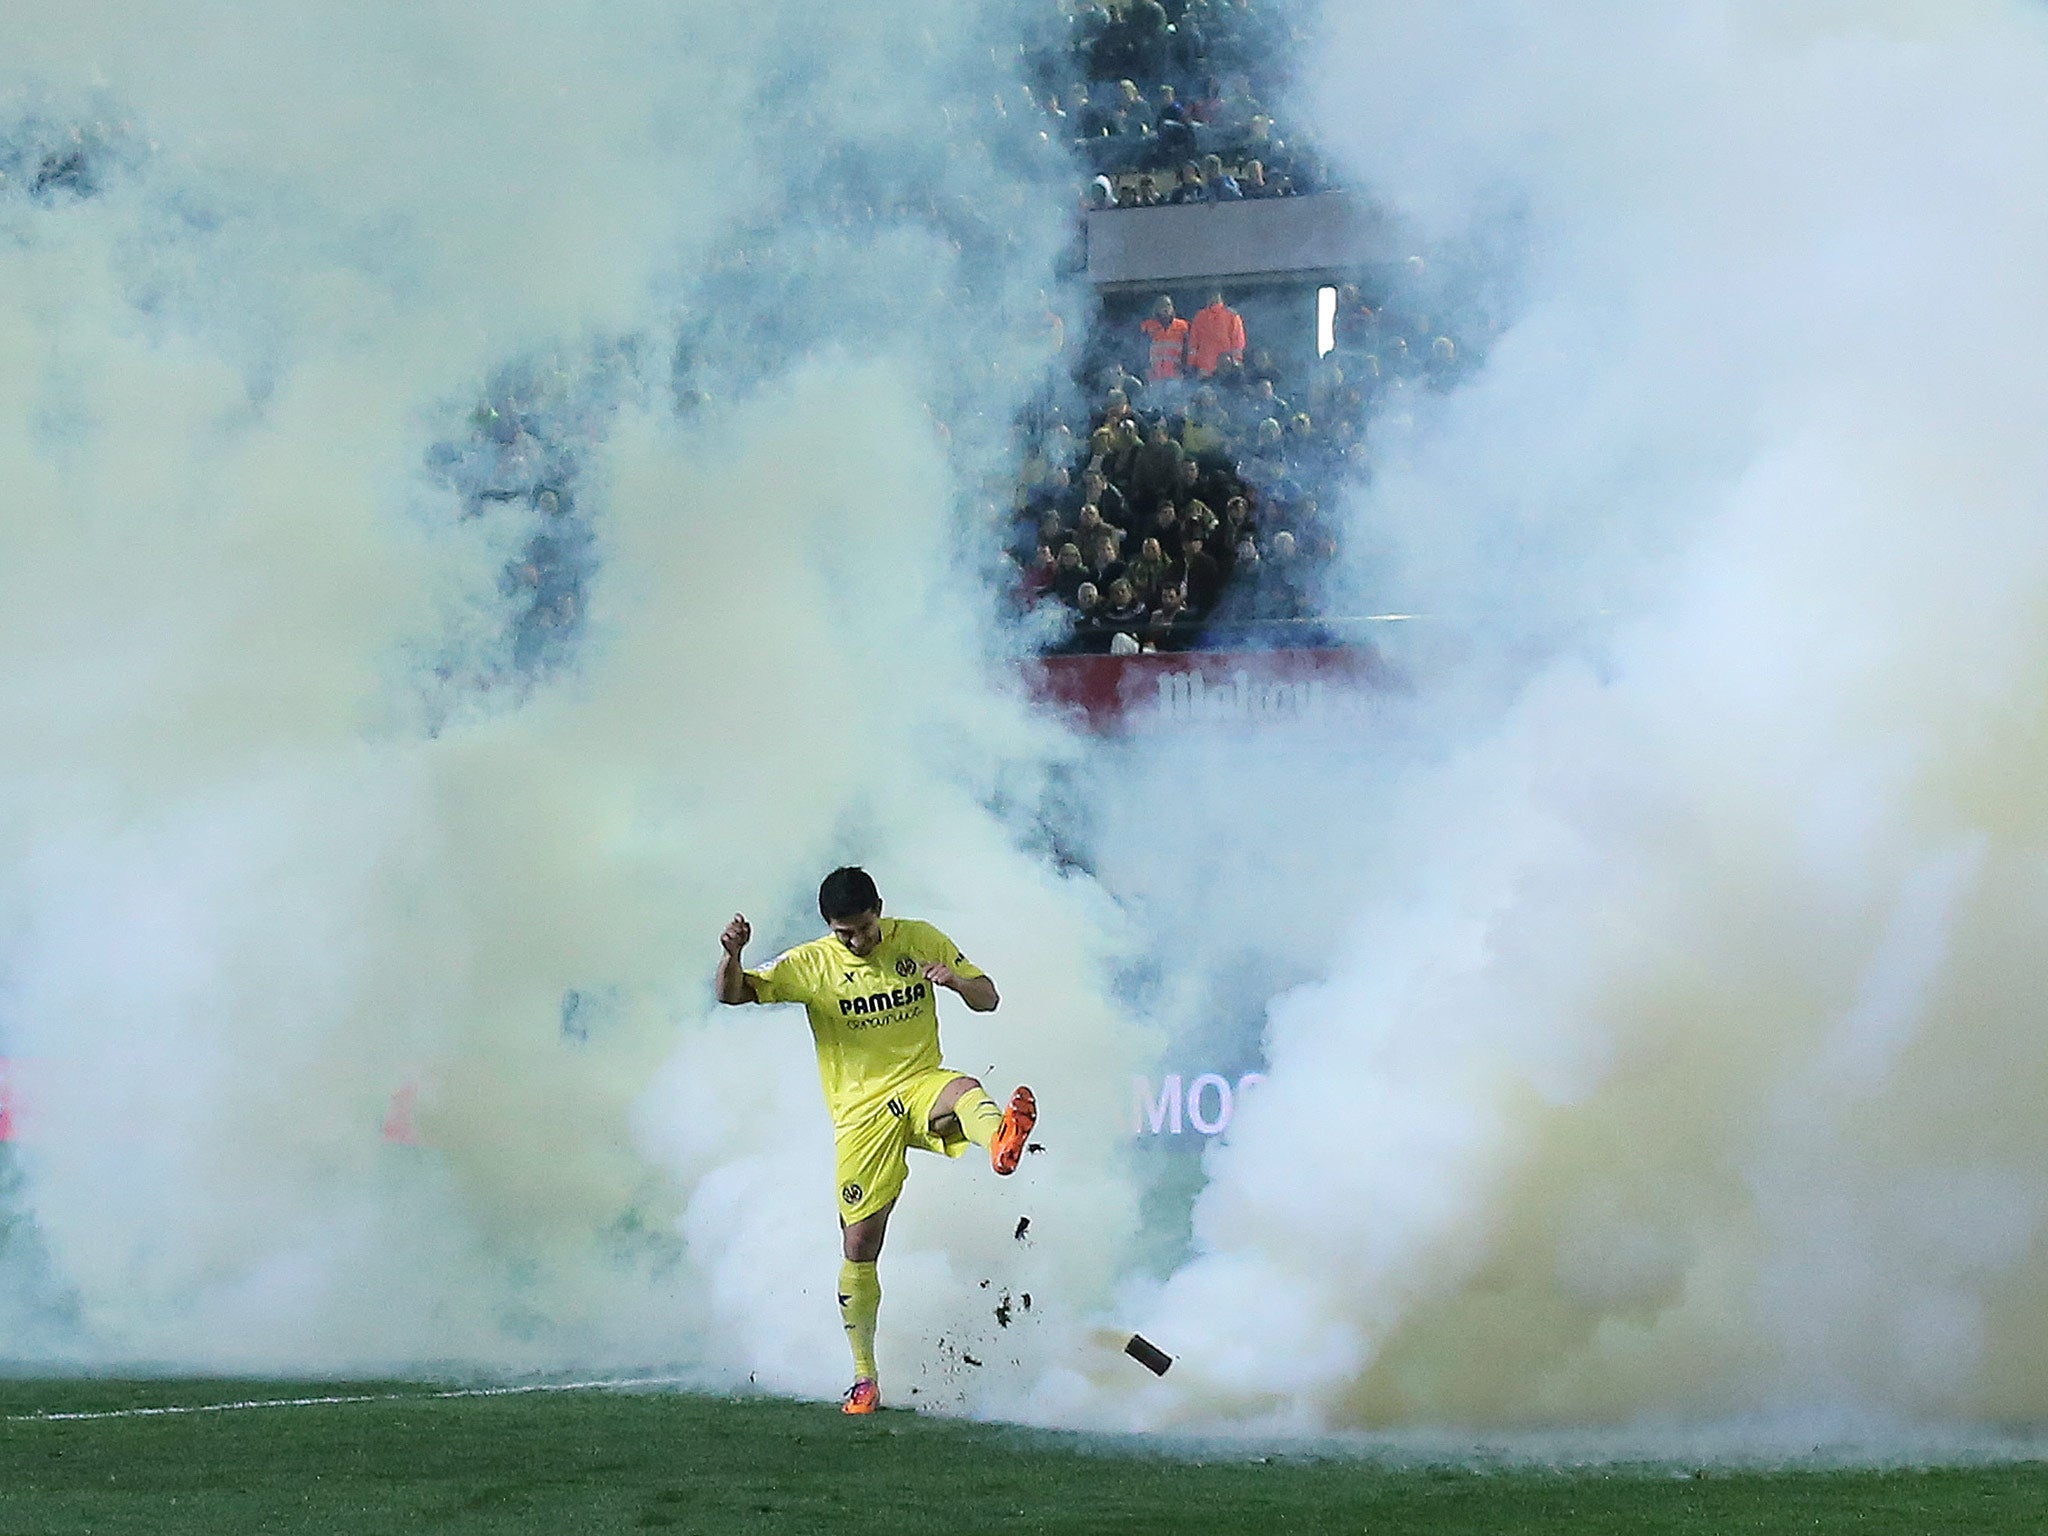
1200 475
1179 473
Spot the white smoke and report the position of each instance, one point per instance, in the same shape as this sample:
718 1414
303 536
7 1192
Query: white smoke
1653 1044
1676 1061
281 831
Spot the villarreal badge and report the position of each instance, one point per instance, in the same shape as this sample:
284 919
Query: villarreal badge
851 1193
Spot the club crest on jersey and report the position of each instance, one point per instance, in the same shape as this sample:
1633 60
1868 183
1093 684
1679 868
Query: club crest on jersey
906 966
851 1193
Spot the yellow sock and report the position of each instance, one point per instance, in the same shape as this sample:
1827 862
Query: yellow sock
860 1302
979 1117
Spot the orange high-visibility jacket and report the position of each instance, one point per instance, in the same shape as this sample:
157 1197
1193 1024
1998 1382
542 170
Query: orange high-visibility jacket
1217 333
1169 347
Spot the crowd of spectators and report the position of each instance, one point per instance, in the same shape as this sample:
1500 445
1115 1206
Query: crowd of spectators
48 158
1166 101
522 456
1178 498
1189 507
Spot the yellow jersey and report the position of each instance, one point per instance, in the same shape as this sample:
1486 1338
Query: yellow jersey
875 1020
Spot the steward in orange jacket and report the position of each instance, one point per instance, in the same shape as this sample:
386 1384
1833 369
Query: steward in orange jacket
1167 337
1215 333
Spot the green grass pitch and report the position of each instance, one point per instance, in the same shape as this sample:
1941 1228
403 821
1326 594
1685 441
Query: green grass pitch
589 1461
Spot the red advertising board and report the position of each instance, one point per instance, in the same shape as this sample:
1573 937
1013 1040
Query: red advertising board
1191 687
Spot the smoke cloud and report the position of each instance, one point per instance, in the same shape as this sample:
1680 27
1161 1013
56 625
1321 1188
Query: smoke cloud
1645 995
1672 1060
317 821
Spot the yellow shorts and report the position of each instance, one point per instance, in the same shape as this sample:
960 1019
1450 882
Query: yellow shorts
872 1164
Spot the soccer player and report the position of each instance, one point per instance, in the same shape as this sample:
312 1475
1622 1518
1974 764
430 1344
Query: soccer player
871 988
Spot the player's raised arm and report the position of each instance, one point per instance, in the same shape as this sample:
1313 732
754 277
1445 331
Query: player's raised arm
977 992
734 984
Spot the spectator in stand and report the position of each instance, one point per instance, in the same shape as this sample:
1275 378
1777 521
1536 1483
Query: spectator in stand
1311 453
1255 184
1090 526
1089 635
1308 518
1143 193
1037 578
1237 525
1116 377
1230 387
1121 609
1156 473
1089 118
1442 367
1218 185
1100 195
1106 498
1342 437
1126 441
1067 574
1098 41
1188 187
1190 45
1174 128
1266 147
1129 116
1116 407
1241 584
1206 482
1261 400
1203 434
1282 582
1165 528
1104 564
1326 387
1264 465
1053 490
1235 112
1216 332
1151 35
1150 570
1207 108
1356 326
1201 578
1166 340
1102 441
1163 625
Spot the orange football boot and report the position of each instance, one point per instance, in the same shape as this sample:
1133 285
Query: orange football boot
1007 1150
864 1396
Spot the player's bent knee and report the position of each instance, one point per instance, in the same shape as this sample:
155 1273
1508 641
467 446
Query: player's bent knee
952 1093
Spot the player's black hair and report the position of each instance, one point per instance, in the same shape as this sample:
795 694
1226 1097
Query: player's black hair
847 892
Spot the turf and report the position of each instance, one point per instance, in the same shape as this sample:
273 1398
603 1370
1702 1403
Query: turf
612 1461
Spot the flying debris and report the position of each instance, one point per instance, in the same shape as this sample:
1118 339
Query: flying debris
1148 1354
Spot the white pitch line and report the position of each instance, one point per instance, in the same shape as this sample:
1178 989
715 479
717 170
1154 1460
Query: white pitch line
372 1397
